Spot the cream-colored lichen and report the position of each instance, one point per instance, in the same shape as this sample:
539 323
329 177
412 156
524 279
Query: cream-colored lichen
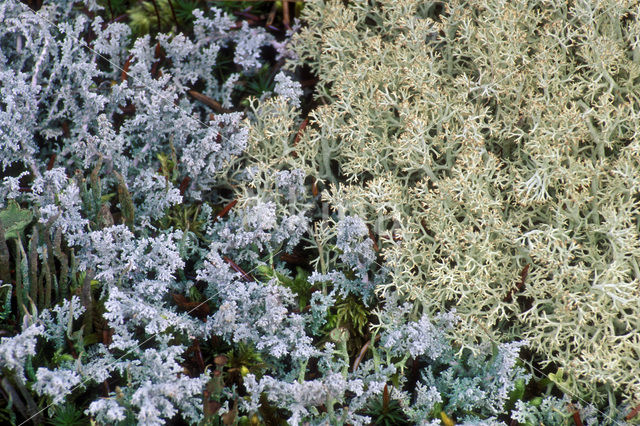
478 137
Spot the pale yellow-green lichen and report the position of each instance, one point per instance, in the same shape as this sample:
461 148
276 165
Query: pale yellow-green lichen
480 137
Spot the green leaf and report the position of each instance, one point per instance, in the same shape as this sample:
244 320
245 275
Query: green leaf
284 280
59 357
265 270
106 197
195 295
6 305
15 220
536 402
516 394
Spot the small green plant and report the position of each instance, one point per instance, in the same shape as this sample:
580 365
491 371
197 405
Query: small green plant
7 414
352 314
185 217
299 285
96 203
43 264
242 360
386 411
172 14
68 415
14 220
184 10
258 84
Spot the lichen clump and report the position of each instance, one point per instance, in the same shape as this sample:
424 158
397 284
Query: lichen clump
444 228
483 138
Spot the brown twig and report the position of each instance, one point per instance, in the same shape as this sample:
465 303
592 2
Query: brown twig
305 309
198 352
155 68
197 309
116 19
106 336
128 109
110 9
293 259
309 82
226 209
248 16
272 15
633 413
52 162
125 69
65 129
184 184
236 268
373 240
285 14
303 126
213 104
294 154
363 351
173 13
576 415
155 6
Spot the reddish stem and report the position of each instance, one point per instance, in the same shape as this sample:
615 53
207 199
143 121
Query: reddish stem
238 269
633 413
226 209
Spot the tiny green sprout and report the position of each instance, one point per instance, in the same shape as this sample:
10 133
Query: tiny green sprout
194 294
244 370
184 10
351 313
168 165
185 217
386 411
260 83
68 415
244 359
59 357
